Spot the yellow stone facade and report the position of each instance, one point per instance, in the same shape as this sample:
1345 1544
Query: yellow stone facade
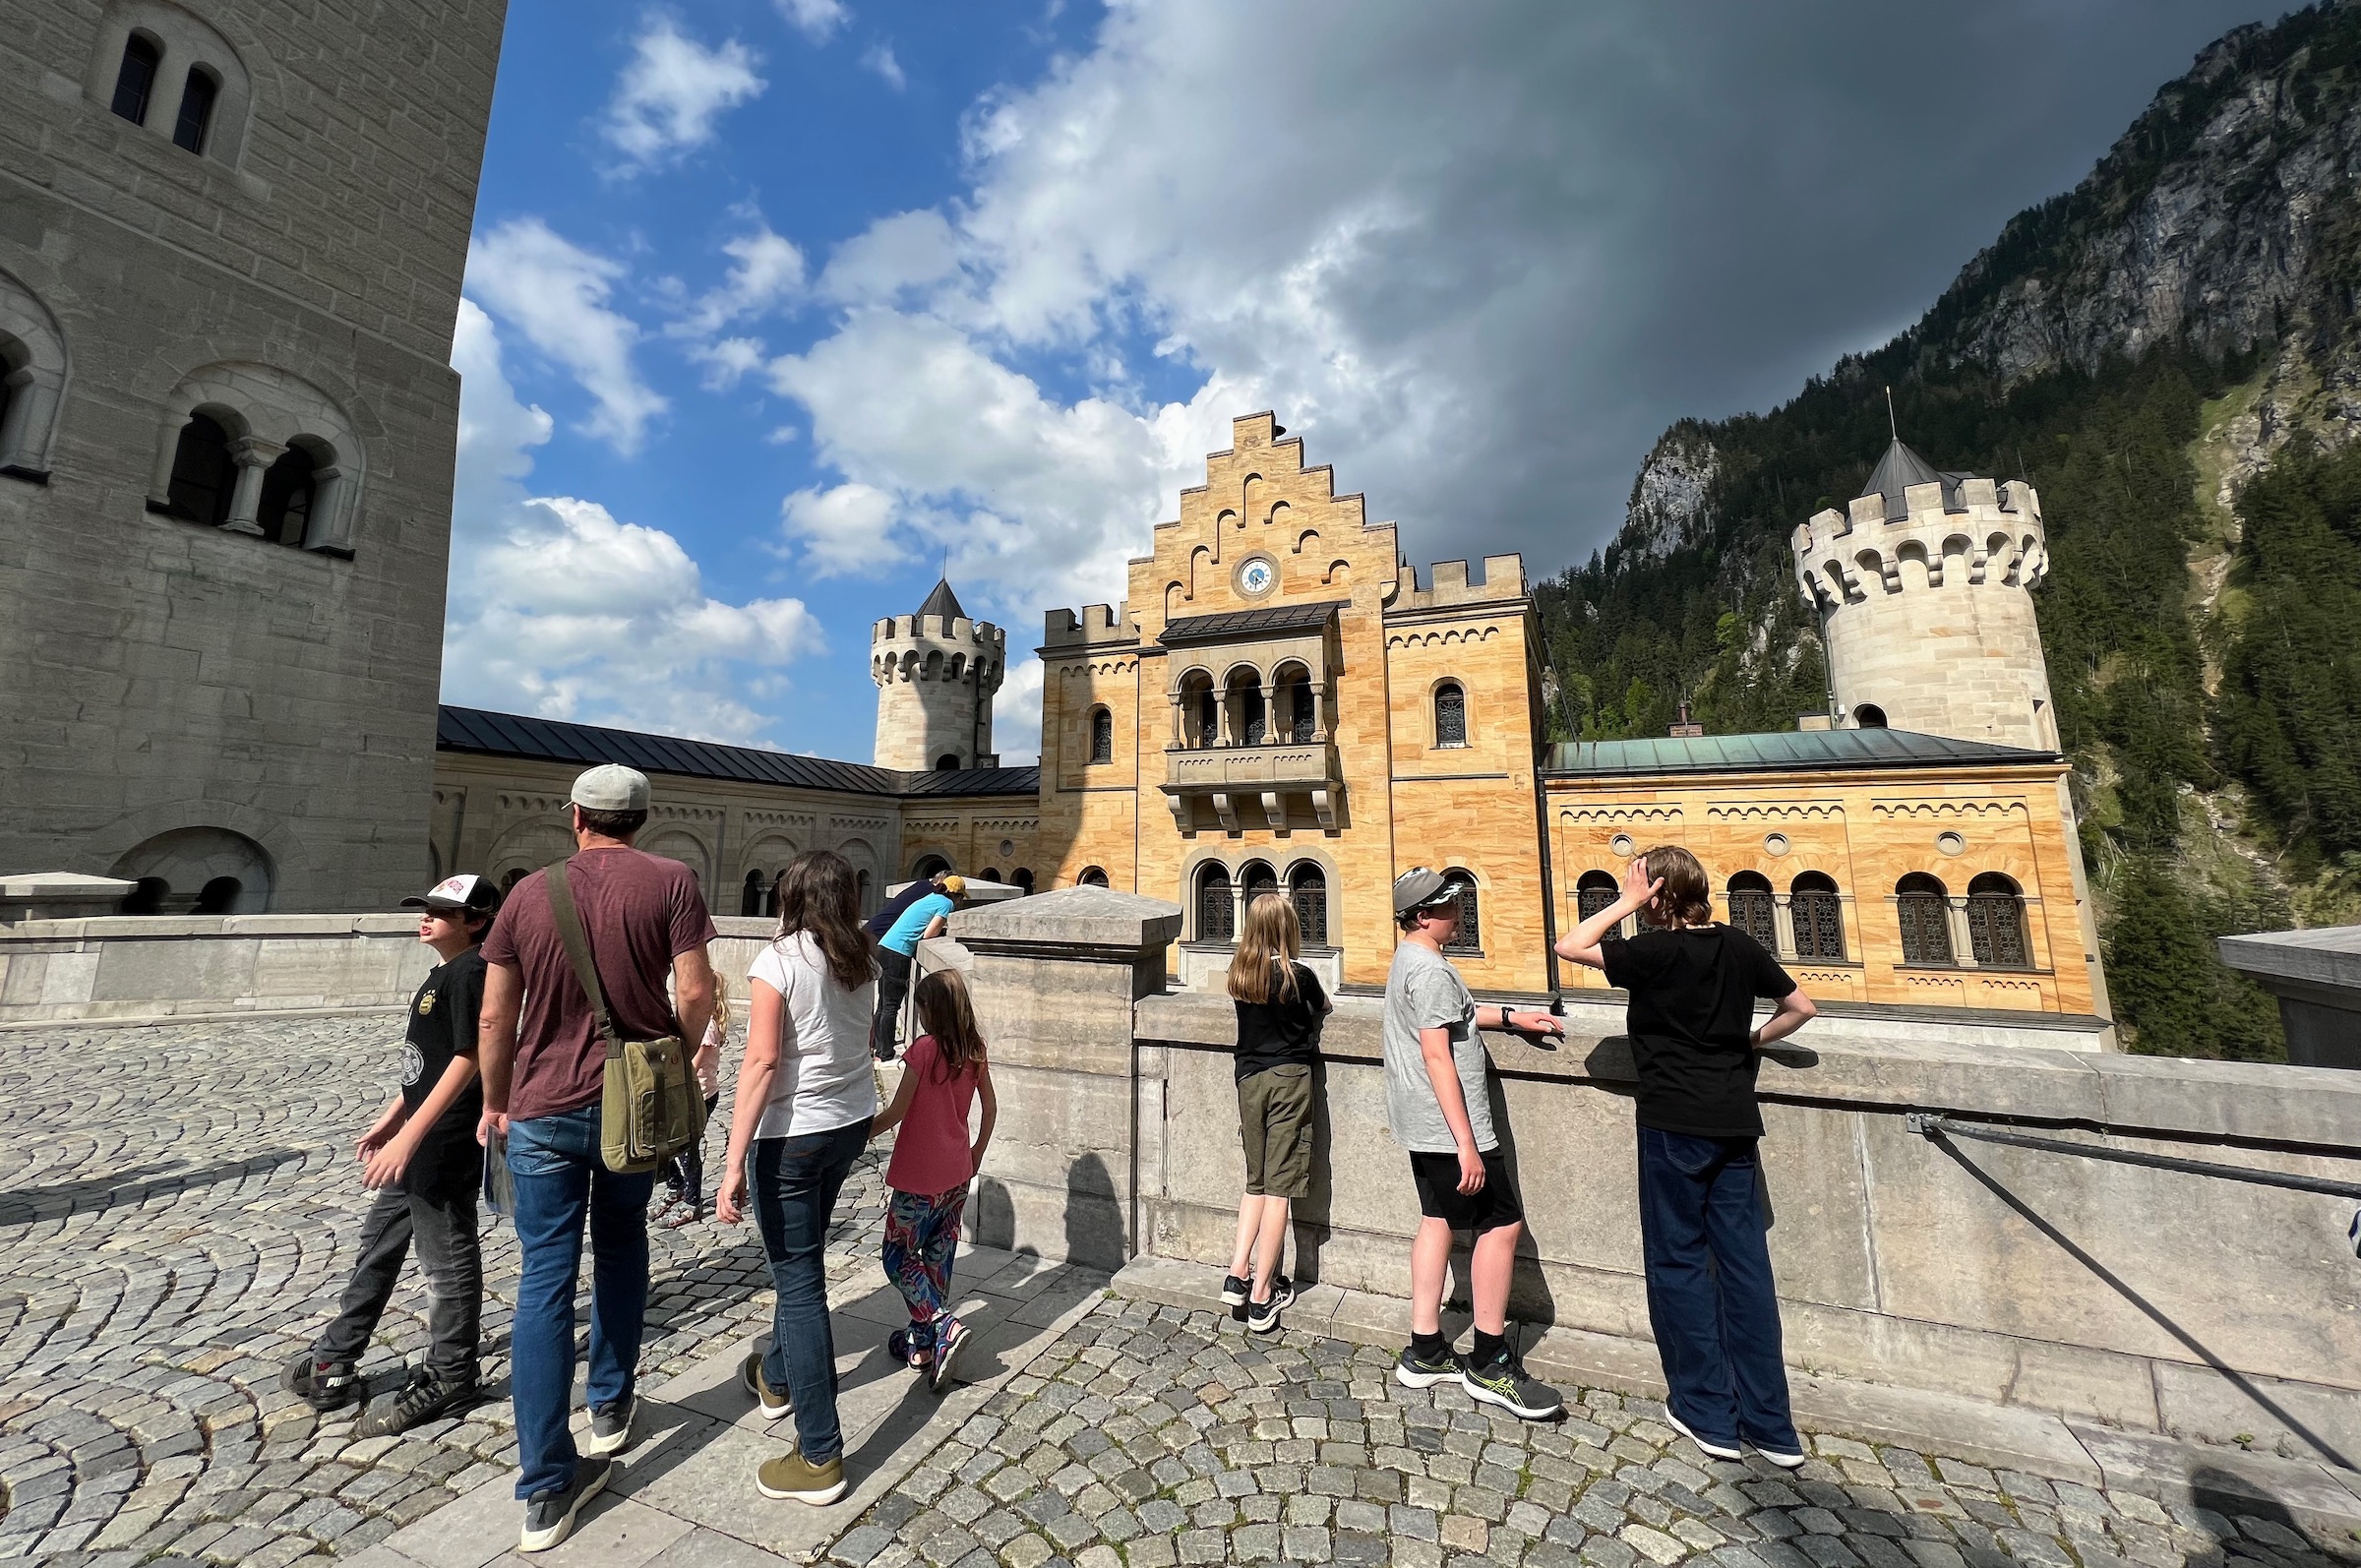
1271 583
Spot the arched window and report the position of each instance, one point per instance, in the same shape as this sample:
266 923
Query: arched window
515 874
750 897
1592 893
1750 908
1022 876
219 897
1996 922
285 513
990 874
1101 736
1869 716
1925 916
1450 714
770 892
1216 910
1248 709
146 897
861 889
135 79
196 110
1819 917
1468 938
33 377
1259 880
929 865
1300 710
948 762
202 476
1308 888
1092 876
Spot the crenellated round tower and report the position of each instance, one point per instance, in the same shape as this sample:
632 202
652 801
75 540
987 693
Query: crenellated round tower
937 672
1924 588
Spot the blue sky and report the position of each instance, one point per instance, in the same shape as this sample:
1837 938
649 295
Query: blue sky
774 304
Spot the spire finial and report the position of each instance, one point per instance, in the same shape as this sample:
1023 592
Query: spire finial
1892 425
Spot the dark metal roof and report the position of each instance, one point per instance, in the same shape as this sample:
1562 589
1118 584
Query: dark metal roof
1782 752
1249 623
1899 469
458 729
942 602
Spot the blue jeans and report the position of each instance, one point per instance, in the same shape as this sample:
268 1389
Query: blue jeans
561 1182
1711 1300
794 1183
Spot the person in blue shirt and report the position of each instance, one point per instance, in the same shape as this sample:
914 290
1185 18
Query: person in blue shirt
897 950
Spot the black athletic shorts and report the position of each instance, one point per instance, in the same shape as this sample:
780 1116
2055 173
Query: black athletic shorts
1495 1205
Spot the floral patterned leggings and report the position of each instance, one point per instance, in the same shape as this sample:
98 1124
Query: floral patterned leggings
922 1234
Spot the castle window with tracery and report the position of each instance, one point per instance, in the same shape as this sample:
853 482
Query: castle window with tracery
1925 915
1450 714
1751 909
1819 917
1996 922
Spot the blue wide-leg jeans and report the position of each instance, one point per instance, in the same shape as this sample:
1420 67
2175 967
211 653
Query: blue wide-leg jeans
1711 1298
561 1186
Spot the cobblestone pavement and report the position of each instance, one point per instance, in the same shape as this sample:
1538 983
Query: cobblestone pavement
178 1212
1150 1436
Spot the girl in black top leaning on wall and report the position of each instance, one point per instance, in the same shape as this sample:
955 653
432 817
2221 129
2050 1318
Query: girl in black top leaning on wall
1710 1298
1280 1010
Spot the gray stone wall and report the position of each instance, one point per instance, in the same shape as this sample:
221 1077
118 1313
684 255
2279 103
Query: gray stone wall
168 675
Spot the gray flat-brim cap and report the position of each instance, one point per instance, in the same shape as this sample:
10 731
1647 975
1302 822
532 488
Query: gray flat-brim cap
1418 887
611 787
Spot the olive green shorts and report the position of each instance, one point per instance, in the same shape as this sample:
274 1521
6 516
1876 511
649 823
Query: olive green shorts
1274 1121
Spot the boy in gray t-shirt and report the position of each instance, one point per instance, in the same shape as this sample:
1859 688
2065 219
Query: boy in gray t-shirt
1437 1105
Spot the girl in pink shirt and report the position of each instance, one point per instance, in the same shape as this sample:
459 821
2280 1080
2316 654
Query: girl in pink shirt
943 1073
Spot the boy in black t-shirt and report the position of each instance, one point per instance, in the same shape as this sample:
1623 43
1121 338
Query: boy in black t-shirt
423 1162
1710 1298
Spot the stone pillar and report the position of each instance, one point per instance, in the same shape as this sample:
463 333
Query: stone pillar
1782 924
1955 920
1080 1134
253 456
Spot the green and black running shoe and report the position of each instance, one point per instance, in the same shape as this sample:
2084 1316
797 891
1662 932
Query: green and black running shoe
1414 1371
1504 1383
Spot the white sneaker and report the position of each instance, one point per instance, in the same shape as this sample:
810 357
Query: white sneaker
1709 1449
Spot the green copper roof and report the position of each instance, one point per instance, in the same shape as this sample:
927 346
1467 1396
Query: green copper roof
1795 750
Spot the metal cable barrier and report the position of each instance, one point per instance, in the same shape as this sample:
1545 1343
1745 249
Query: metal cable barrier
1930 1125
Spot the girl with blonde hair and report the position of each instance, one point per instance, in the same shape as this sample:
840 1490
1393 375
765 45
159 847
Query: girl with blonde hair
945 1073
1280 1011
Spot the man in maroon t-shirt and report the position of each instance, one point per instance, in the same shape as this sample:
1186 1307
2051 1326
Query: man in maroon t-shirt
644 919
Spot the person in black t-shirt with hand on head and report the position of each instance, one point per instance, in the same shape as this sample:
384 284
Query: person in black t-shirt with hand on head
422 1161
1711 1298
1281 1009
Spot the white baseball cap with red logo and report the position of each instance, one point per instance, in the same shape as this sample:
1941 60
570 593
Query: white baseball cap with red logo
466 892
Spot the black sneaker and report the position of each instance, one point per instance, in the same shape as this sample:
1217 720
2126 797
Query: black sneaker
1414 1371
1504 1383
1234 1290
611 1425
324 1385
549 1516
425 1397
1263 1316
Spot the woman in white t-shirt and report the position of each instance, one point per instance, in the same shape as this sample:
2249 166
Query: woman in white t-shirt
804 1100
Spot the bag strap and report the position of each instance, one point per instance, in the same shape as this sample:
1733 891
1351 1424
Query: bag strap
577 948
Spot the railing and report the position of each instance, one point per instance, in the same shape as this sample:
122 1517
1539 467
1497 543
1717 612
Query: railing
1292 765
1934 1125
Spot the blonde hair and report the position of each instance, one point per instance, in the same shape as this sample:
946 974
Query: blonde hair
1263 968
945 1012
721 1004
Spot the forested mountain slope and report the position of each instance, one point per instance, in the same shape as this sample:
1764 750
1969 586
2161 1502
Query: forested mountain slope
2171 352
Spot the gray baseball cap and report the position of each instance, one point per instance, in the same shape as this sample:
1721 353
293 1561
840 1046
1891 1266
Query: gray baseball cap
1419 888
611 787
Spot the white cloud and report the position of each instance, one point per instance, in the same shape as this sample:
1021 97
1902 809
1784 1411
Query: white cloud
907 251
766 271
556 293
816 20
1017 713
673 91
560 609
727 360
843 532
879 59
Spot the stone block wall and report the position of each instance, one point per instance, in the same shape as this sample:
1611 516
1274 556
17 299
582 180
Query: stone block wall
172 676
135 967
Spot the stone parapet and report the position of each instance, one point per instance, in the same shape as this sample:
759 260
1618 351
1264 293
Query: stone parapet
135 967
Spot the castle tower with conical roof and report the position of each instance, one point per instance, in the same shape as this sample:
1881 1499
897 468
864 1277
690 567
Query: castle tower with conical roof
937 672
1923 587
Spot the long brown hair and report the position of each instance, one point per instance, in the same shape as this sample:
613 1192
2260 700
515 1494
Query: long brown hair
945 1012
1263 968
819 897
